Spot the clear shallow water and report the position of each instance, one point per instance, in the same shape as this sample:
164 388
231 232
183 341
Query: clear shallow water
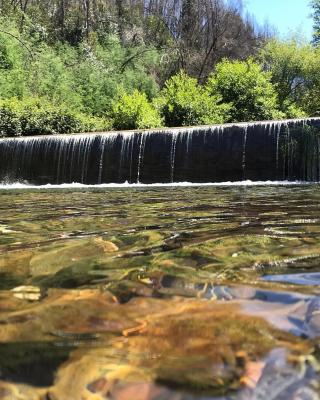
162 292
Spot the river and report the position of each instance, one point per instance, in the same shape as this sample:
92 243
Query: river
160 292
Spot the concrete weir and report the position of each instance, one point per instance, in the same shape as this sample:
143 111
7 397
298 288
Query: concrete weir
257 151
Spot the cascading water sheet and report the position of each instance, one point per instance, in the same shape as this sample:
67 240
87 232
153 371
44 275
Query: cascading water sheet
257 151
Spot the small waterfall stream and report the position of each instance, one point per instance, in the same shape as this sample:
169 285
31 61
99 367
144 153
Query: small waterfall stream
245 136
275 150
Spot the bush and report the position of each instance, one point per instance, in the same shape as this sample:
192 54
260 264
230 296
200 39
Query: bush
91 123
183 103
134 111
38 117
10 124
246 88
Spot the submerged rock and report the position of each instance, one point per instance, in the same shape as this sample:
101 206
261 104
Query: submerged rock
108 247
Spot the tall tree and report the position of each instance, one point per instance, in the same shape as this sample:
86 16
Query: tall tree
120 18
315 5
193 35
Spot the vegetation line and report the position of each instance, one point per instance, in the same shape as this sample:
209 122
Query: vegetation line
115 65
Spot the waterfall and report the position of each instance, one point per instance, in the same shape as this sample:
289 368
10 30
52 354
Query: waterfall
272 150
143 138
278 130
173 155
245 135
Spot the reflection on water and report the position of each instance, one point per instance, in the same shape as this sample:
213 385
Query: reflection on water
299 279
160 293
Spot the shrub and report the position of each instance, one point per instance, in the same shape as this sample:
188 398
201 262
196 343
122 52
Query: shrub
183 102
38 117
246 88
134 111
91 123
10 124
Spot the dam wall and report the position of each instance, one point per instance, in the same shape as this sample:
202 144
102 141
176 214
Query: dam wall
257 151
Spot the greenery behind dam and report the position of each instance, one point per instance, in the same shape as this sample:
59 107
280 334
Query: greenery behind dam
72 66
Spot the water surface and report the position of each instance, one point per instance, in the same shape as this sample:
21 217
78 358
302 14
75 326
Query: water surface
138 293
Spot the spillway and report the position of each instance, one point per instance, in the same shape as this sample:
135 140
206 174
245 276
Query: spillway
258 151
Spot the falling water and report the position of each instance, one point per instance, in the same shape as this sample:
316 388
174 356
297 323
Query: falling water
245 136
102 145
173 154
85 160
256 151
126 147
189 135
143 138
278 127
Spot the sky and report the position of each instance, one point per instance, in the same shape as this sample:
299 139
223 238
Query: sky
285 15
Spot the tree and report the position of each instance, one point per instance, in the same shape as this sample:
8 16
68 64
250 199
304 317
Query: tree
315 5
84 77
120 19
246 88
192 34
201 33
293 66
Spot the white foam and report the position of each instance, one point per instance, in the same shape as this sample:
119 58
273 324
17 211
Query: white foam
24 186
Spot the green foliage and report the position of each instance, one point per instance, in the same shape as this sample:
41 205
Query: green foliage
294 68
135 111
291 110
5 62
14 62
315 5
9 122
290 64
36 117
105 68
55 77
246 88
183 103
85 78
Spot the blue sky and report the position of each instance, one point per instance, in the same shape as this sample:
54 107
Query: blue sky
285 15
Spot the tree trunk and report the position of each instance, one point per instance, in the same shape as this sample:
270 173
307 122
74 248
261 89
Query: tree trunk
121 19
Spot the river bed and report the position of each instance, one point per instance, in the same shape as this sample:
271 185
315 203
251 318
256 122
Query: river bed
160 292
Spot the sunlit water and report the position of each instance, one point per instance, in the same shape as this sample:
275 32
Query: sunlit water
162 292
